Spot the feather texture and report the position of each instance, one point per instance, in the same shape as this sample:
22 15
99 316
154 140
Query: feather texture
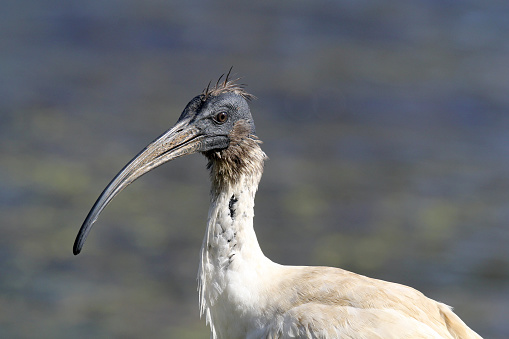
245 295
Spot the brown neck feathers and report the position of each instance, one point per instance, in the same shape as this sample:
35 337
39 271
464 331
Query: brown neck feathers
243 157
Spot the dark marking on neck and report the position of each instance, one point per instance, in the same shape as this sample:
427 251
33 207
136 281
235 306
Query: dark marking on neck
231 204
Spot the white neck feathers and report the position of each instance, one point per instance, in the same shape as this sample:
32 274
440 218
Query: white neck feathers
230 243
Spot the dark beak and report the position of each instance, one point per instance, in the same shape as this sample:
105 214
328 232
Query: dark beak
182 139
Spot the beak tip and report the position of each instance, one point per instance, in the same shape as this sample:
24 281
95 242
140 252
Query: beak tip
76 249
78 245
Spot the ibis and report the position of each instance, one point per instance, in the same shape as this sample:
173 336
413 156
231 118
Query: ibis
242 293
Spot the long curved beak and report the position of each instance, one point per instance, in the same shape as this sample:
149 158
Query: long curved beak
180 140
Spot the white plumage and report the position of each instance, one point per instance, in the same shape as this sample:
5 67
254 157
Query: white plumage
243 294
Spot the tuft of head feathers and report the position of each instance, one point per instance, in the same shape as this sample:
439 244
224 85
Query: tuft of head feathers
227 85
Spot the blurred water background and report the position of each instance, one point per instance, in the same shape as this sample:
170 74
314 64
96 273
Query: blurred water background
386 123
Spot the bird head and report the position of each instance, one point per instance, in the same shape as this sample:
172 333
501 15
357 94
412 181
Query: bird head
217 123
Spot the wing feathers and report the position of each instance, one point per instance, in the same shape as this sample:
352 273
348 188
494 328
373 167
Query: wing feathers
323 302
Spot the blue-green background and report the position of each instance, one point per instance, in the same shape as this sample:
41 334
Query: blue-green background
386 123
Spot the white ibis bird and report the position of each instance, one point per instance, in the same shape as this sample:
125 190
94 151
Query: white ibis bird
242 293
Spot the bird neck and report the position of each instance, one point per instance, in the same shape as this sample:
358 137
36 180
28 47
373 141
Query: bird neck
230 242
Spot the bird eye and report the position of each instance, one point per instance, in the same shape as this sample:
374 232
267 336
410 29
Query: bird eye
221 117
